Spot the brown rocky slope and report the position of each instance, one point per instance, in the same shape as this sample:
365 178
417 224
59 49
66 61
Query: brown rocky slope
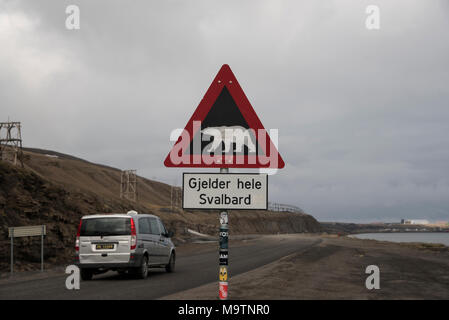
57 190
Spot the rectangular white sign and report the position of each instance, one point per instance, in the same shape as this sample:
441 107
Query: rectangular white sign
225 191
27 231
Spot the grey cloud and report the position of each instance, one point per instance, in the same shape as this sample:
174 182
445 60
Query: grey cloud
363 115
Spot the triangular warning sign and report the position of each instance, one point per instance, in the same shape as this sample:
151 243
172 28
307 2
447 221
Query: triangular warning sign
224 131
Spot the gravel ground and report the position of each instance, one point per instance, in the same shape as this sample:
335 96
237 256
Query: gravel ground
335 269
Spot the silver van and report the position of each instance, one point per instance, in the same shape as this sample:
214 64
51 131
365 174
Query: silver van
128 242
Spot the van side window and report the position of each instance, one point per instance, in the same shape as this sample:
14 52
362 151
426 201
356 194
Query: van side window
144 226
154 226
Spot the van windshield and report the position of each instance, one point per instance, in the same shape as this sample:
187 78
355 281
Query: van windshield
105 227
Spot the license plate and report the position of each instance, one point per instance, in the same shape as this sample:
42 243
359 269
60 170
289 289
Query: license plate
104 246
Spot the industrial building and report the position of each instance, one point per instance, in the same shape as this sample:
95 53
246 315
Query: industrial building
414 221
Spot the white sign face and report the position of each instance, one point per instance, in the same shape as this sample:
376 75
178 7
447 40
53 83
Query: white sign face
225 191
27 231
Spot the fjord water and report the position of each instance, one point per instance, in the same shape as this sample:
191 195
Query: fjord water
426 237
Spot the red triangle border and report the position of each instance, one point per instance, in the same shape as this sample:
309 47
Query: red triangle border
225 77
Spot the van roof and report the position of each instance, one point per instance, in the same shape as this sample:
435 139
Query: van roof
117 215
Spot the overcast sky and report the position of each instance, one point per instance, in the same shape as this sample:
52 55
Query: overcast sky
363 115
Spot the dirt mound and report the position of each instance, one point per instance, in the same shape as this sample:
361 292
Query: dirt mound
56 190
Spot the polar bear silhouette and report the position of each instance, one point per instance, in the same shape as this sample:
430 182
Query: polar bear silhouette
229 135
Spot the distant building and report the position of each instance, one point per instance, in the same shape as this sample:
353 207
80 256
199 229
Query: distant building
415 221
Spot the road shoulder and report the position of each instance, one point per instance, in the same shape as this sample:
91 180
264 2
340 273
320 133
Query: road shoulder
335 269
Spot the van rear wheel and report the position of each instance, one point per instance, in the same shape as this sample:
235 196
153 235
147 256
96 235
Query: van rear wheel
142 271
86 274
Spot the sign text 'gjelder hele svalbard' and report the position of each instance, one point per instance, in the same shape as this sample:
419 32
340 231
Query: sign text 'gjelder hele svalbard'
225 191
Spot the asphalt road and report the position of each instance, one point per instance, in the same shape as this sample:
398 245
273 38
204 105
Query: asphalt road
192 270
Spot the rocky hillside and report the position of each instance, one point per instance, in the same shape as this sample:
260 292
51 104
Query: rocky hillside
57 190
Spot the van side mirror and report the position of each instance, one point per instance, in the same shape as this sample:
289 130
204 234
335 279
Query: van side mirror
170 234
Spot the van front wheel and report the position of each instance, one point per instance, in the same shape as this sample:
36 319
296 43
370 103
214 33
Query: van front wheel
170 267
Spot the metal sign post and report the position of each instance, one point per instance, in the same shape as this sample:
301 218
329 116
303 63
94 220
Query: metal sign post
12 251
223 252
224 132
42 247
224 191
29 231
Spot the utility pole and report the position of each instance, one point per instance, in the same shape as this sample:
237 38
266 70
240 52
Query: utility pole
128 185
11 142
